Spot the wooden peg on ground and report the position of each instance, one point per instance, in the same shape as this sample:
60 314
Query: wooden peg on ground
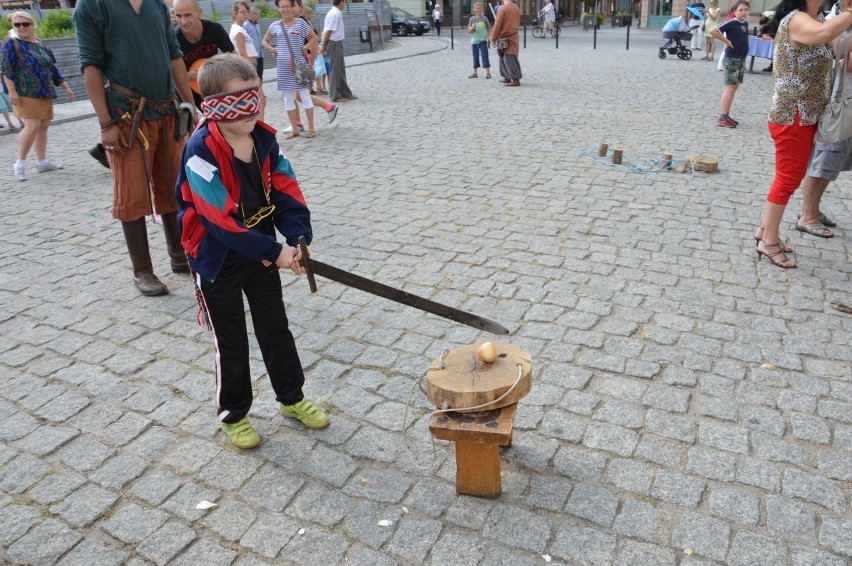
667 161
602 149
616 156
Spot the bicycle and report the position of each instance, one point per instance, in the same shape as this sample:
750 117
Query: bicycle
539 30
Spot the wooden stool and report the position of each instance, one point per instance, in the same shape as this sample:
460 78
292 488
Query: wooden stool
477 436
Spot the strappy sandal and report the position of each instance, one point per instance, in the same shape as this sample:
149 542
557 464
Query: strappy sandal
311 134
487 76
783 263
786 249
473 76
291 135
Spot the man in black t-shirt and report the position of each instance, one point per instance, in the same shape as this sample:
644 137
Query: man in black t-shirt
198 39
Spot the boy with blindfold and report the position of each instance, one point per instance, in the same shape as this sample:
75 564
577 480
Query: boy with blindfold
235 190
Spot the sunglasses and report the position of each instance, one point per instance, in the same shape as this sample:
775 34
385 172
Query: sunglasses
242 11
22 24
262 213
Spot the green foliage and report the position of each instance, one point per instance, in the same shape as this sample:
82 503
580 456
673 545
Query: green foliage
56 23
212 16
267 10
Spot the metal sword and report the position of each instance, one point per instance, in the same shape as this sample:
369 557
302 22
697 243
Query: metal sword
314 267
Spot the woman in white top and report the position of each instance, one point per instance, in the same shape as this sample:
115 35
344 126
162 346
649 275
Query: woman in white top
243 43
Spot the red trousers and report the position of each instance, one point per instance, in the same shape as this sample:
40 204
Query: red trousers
793 145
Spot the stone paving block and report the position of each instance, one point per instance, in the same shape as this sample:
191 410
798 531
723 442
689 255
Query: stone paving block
124 429
119 471
579 402
190 456
354 401
612 438
676 488
712 464
329 465
63 407
594 503
749 549
567 375
95 418
151 444
358 554
498 555
156 486
727 438
187 497
228 470
641 520
835 465
166 543
547 493
86 454
413 538
705 536
85 505
660 450
762 419
739 506
15 521
810 428
44 544
561 425
771 448
230 520
836 534
374 444
802 556
361 523
56 486
208 553
629 475
531 450
667 398
469 512
172 412
316 548
620 413
579 463
41 395
17 475
430 496
452 548
271 489
381 486
87 553
317 504
761 474
788 518
632 553
588 546
797 401
132 523
17 426
670 425
517 527
814 488
676 375
835 410
270 533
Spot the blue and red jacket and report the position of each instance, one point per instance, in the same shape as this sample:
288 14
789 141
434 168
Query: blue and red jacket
208 192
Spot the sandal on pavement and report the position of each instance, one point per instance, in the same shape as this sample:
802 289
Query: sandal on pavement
311 134
487 76
241 433
757 239
825 220
473 76
815 229
785 263
306 413
291 135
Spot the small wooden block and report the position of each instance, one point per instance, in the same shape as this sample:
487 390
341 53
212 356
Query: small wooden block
603 149
616 156
477 436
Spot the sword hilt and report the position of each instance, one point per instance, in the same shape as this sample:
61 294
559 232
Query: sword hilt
303 246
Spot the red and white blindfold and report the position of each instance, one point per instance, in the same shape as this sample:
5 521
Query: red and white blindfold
232 106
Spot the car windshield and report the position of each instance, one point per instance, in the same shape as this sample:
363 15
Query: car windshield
402 13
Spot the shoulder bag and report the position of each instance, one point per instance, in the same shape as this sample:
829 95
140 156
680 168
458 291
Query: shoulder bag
502 42
835 122
303 71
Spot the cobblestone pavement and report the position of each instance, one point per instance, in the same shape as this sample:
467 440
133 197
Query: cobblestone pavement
690 405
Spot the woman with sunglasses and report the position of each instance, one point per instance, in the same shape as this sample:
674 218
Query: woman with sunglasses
30 74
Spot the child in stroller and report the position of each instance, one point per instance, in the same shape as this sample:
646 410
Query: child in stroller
675 31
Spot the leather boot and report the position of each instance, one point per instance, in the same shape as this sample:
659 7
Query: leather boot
176 253
136 236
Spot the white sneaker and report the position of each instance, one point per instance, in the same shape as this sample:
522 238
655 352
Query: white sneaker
49 166
20 174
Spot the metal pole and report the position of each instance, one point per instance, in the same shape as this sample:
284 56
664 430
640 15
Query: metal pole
595 42
628 36
558 31
452 43
525 36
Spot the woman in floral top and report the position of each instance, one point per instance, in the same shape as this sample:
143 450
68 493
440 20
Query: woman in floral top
31 76
801 73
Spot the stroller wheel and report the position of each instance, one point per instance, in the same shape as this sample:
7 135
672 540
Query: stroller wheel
662 54
686 55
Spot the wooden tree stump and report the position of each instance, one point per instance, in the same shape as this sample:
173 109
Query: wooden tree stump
466 381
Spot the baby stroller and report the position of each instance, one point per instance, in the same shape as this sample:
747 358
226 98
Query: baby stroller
674 46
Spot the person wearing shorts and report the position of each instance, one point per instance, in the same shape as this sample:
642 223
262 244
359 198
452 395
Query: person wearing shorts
827 161
734 34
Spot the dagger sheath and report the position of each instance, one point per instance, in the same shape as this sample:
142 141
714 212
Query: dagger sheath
314 267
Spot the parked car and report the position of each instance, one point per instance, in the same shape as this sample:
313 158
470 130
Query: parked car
405 23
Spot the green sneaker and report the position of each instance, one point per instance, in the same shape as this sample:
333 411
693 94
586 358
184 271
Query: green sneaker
241 433
305 412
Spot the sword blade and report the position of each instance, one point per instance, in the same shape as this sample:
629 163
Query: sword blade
314 267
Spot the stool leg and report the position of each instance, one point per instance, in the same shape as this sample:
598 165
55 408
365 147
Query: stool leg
477 469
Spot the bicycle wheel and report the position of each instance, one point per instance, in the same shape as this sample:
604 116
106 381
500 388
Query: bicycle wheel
538 31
